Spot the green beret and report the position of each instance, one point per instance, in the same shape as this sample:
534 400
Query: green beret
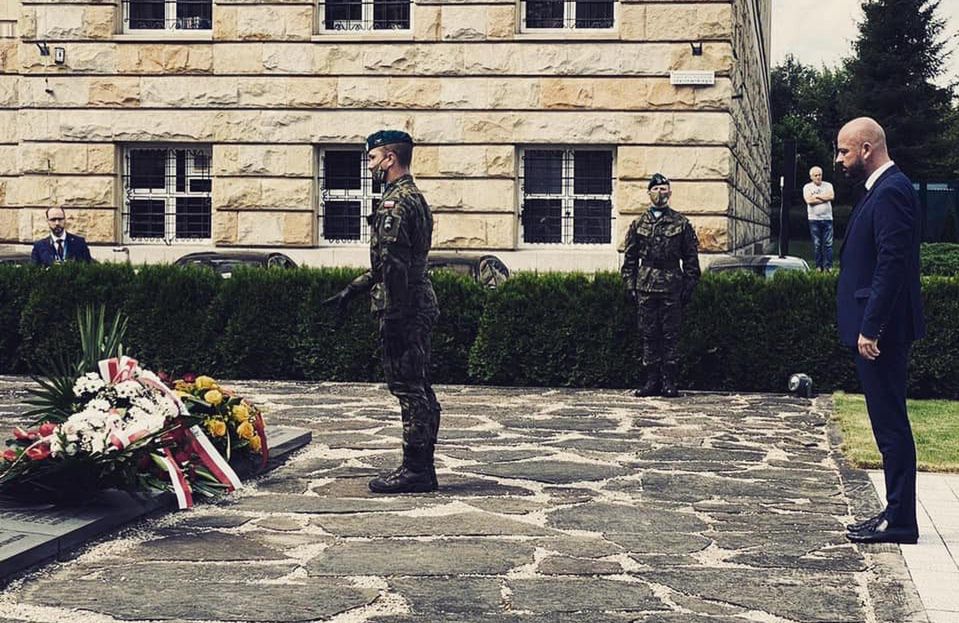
658 179
387 137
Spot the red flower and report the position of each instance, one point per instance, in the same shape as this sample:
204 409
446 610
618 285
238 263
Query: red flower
47 428
38 452
189 377
24 435
10 455
165 378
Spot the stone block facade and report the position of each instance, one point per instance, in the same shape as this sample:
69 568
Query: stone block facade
240 123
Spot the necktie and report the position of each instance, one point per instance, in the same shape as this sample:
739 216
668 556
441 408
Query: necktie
59 250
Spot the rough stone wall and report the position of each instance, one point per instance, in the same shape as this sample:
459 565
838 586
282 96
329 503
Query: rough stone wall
9 13
266 87
750 195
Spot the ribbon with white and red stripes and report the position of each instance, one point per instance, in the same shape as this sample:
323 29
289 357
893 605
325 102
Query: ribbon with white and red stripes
117 370
120 439
212 459
181 486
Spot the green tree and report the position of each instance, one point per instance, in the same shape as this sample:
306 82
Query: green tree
804 103
899 53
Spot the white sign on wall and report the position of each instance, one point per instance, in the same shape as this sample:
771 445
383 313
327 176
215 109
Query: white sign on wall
692 78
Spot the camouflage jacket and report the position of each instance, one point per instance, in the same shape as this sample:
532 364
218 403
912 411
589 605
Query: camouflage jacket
655 247
401 232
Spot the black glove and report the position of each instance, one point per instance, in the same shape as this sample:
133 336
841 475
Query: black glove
687 294
341 300
633 296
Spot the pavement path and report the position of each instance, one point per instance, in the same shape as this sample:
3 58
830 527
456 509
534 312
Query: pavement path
555 506
934 562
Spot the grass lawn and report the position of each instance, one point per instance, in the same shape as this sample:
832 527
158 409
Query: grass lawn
935 426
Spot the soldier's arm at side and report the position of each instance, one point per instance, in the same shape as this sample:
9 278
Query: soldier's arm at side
630 258
395 254
691 271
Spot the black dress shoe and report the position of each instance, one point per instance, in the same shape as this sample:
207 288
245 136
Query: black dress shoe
872 522
882 533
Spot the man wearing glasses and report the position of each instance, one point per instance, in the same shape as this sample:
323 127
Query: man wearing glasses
59 246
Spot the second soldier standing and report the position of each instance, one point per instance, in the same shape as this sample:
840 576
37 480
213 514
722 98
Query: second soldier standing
661 270
402 297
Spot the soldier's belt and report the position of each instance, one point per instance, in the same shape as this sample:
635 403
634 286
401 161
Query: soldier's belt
673 265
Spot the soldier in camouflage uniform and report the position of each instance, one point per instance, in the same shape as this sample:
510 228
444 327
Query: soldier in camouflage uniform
402 297
661 269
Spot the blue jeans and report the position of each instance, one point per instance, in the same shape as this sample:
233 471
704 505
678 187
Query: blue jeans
821 234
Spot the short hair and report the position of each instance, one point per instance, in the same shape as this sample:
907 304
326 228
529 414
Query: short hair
46 213
403 151
813 170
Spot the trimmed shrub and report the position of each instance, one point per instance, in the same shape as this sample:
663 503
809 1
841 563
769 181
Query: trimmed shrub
48 320
740 333
939 258
170 328
16 282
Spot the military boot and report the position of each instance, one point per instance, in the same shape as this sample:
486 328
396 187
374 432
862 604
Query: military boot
652 386
412 477
669 383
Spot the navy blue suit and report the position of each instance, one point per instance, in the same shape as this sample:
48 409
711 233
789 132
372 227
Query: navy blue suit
75 250
879 297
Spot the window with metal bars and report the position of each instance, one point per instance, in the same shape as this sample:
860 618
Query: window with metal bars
166 194
566 196
167 15
364 15
565 14
348 195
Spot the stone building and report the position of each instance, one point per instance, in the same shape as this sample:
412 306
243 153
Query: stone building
167 126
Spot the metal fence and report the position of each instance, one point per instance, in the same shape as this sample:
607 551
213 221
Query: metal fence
940 203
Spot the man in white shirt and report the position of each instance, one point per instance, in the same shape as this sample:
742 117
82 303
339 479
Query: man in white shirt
818 196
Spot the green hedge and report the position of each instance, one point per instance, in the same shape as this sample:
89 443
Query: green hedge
939 258
740 333
265 324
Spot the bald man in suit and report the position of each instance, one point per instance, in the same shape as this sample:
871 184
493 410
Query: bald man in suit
880 315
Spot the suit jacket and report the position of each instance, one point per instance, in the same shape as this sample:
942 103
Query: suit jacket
45 254
878 294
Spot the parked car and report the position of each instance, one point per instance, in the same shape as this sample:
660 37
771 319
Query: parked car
224 262
15 258
763 265
488 270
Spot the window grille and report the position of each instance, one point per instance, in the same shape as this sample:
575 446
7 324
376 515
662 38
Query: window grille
167 194
559 14
365 15
167 15
566 196
348 196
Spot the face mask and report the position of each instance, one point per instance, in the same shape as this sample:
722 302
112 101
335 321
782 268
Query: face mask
659 198
379 173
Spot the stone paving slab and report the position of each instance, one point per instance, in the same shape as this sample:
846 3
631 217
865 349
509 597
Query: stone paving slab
555 506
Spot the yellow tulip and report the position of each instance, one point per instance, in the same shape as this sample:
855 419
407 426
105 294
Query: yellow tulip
241 413
245 430
205 382
217 428
180 393
255 443
214 397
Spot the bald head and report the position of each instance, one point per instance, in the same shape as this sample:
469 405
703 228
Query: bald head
861 148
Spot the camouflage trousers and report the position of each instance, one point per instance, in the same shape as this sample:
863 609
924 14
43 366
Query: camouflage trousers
660 318
406 364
